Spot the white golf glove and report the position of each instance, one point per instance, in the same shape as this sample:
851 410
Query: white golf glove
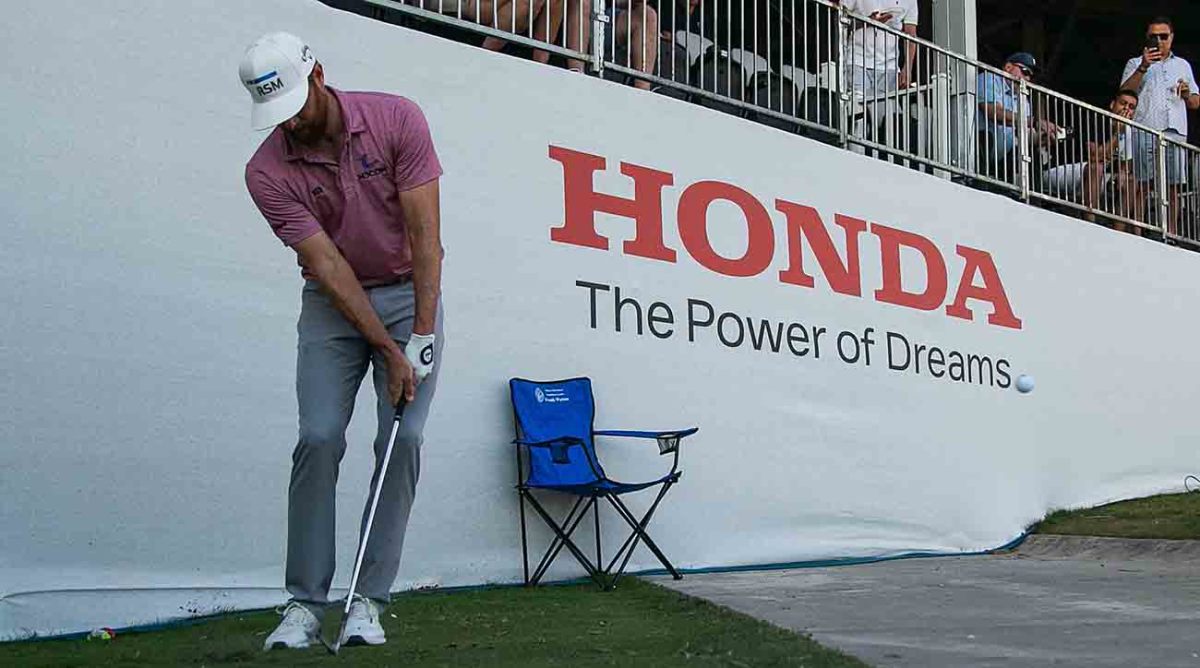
419 352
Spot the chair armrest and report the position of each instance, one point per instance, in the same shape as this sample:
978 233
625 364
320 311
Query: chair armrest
668 441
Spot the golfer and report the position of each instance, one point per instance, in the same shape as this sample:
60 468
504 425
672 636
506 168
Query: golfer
349 181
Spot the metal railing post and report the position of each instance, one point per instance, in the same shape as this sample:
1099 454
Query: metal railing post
845 94
1024 152
1161 191
599 24
939 135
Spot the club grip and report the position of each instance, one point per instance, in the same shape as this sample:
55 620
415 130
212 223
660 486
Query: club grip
399 414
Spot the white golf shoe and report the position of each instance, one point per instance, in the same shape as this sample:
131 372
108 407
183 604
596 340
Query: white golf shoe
298 629
362 623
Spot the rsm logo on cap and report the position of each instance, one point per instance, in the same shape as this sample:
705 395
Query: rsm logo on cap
267 83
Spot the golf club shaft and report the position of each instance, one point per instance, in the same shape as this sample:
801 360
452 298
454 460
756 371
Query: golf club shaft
362 544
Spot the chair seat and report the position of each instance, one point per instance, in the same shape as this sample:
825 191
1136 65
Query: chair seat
605 487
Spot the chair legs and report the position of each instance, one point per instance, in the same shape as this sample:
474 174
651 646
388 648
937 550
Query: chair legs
561 538
606 578
638 534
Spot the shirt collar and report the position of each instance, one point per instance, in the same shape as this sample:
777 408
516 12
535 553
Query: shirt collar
351 118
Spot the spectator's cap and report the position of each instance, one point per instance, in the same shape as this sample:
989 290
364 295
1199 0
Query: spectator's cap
1023 58
275 72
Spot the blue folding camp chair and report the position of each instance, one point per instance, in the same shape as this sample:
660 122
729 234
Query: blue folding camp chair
554 424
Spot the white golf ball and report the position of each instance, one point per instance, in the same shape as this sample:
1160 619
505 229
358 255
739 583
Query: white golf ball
1024 384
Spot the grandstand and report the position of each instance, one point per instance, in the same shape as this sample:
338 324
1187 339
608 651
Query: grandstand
790 64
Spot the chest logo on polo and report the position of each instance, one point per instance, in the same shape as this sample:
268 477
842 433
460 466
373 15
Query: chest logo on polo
370 168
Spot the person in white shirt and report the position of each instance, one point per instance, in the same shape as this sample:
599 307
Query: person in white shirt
1168 91
873 56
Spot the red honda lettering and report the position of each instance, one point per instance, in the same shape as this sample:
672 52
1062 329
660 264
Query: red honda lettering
581 203
992 290
804 221
693 229
890 242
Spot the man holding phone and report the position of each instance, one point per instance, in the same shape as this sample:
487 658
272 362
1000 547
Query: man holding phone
1168 91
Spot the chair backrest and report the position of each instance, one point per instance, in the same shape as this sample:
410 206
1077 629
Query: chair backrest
800 77
695 44
751 62
546 410
775 92
673 61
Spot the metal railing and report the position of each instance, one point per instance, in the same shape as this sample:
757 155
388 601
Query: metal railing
814 68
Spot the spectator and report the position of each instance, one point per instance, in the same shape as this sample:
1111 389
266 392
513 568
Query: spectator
636 37
1168 91
539 19
1000 107
1109 154
873 65
578 27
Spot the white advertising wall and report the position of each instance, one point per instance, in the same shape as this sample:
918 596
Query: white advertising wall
147 347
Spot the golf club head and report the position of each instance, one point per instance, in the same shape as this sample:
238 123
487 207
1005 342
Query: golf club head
332 647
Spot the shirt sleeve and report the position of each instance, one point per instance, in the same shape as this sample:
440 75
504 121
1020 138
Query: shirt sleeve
1130 67
1191 79
987 92
415 159
291 221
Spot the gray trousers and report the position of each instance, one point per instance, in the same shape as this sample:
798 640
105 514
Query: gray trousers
332 360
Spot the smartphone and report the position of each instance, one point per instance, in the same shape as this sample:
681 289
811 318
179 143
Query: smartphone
1152 44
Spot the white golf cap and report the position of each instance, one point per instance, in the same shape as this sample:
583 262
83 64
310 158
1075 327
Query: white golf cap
275 71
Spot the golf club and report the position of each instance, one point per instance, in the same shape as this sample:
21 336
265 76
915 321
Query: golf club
362 546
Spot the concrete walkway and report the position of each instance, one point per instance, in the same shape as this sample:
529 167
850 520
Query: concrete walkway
1056 601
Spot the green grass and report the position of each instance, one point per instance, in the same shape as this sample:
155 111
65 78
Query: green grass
1168 516
639 624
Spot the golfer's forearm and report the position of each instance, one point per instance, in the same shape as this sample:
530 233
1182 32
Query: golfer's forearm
427 281
423 225
338 281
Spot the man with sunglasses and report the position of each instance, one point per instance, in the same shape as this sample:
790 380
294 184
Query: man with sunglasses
1000 109
1168 91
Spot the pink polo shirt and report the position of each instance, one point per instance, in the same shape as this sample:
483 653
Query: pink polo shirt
354 200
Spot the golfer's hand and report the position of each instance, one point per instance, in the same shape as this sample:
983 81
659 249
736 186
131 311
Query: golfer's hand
419 352
401 382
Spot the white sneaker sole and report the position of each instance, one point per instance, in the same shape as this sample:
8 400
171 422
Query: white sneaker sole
279 644
360 640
